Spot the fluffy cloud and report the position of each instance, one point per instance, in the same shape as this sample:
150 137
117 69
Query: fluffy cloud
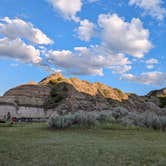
151 7
86 30
84 61
151 62
120 69
14 28
149 78
16 49
125 37
68 8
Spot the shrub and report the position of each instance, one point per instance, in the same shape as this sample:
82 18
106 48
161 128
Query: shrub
162 101
119 112
87 119
163 122
138 119
61 121
152 120
105 117
55 81
127 121
147 119
132 119
55 97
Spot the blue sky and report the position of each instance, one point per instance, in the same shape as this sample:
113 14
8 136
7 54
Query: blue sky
119 43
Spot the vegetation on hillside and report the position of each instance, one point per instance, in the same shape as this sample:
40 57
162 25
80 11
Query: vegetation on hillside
162 101
55 81
57 94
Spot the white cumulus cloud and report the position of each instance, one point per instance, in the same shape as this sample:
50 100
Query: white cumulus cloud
153 8
125 37
86 30
68 8
16 49
88 61
150 78
14 28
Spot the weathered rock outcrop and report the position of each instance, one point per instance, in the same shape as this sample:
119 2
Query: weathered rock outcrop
158 93
30 95
86 87
25 101
57 93
158 97
74 95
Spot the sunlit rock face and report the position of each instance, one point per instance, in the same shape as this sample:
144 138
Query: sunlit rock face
86 87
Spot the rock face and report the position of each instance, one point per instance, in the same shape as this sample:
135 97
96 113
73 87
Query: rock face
86 87
25 101
31 95
158 97
75 95
60 94
158 93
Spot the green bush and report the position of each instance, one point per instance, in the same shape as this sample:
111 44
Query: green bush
81 118
85 118
61 121
55 97
55 81
146 119
162 101
163 122
105 117
119 112
152 120
118 116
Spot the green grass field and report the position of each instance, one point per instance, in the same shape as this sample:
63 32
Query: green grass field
36 145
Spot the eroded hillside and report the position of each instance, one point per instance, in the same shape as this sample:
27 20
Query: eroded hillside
61 94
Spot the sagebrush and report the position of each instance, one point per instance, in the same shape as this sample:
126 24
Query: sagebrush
118 115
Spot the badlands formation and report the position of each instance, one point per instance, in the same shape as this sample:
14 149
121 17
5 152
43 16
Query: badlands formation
56 93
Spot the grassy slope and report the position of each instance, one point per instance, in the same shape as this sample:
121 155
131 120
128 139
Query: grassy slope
34 144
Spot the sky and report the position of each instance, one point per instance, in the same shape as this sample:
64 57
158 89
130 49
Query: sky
121 43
